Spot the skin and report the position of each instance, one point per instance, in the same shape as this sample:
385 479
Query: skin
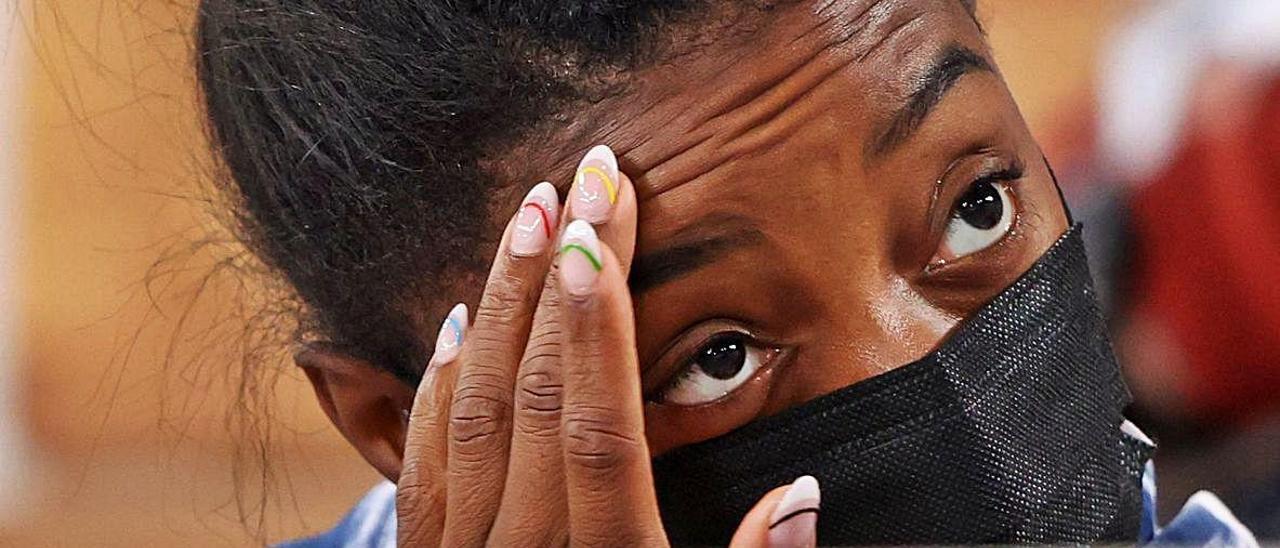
789 148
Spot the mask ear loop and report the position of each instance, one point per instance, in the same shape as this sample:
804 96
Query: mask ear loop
1071 221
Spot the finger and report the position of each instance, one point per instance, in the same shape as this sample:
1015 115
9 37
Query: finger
619 233
785 517
534 508
610 486
480 413
754 529
604 196
421 488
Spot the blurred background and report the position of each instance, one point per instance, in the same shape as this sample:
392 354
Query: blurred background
123 422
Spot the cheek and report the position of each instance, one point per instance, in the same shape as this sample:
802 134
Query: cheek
877 331
908 320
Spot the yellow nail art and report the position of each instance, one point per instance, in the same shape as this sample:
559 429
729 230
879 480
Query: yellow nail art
609 185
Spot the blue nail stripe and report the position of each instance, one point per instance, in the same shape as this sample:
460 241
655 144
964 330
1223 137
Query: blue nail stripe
457 330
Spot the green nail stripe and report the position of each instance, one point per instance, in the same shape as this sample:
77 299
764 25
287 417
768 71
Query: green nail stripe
595 263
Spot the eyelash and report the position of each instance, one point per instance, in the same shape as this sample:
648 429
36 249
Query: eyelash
1010 174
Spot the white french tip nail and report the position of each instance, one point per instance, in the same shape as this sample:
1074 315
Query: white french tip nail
452 332
794 522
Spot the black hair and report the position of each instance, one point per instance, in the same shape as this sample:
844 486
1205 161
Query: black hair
353 133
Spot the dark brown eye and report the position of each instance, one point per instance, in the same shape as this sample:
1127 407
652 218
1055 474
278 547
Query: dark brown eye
716 369
981 207
723 357
982 216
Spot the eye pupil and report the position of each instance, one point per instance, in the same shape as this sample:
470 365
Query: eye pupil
980 207
722 358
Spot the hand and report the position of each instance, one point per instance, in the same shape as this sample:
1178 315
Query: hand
528 426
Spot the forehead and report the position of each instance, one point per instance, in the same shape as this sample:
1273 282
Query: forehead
842 63
743 110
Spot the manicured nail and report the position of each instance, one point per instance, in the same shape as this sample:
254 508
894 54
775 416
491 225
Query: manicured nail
536 221
794 522
579 258
449 340
595 186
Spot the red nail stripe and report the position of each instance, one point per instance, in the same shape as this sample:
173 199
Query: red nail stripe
546 218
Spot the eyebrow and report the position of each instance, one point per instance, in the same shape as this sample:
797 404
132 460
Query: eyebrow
700 244
954 62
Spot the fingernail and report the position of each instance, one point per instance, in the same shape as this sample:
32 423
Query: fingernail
536 221
595 186
449 340
794 522
579 258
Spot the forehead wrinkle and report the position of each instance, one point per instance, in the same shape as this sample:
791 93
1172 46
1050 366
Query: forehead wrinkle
901 24
826 22
744 118
664 142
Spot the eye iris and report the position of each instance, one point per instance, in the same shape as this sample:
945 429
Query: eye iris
722 358
980 207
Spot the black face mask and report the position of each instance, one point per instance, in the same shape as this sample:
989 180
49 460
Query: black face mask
1009 432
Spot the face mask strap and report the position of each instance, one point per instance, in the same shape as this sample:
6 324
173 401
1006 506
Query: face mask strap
1062 198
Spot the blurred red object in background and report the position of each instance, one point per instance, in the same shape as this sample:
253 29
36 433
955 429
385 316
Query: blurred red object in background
1206 236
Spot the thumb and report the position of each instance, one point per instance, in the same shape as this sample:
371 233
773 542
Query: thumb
786 517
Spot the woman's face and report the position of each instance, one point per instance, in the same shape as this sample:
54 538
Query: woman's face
821 200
